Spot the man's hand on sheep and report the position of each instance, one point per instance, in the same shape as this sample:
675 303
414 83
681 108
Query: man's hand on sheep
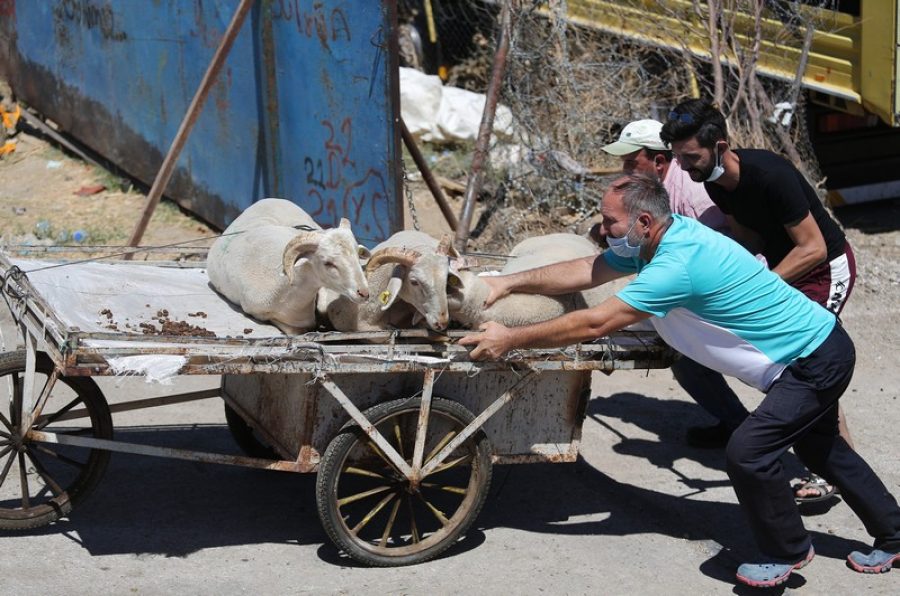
492 343
499 288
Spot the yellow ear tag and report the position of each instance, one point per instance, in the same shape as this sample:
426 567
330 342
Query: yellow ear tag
384 297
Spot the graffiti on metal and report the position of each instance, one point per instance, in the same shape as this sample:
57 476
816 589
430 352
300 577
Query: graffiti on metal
336 188
90 15
303 109
314 20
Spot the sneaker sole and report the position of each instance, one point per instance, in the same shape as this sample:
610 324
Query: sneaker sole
873 569
781 578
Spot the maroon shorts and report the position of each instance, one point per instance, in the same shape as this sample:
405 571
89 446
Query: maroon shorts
830 283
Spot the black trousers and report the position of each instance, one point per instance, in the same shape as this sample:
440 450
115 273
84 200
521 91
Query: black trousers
800 410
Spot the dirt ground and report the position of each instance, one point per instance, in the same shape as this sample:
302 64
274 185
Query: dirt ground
41 204
638 513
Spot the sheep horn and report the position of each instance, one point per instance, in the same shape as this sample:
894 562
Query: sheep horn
298 245
403 256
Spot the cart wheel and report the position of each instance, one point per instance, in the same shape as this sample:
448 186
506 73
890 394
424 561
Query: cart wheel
40 482
245 437
372 512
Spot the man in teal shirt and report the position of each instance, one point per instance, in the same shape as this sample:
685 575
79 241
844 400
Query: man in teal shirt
714 302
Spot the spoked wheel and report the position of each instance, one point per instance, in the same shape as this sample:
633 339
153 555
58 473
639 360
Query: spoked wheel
40 482
374 513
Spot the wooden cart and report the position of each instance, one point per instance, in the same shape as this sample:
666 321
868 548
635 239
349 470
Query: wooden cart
402 447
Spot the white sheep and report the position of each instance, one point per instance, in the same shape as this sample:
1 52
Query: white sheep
408 275
273 259
466 301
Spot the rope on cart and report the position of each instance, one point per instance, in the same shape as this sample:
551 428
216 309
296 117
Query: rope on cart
137 249
644 344
17 307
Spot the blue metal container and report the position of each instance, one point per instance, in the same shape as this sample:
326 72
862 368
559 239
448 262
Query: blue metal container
304 107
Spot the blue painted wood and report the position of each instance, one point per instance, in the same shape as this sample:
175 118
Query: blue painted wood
304 108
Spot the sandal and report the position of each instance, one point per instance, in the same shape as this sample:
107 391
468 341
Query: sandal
823 489
877 561
769 575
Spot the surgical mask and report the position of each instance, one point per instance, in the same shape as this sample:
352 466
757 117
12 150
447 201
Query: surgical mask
718 170
621 247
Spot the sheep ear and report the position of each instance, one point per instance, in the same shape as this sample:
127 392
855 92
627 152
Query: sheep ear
363 253
454 281
345 223
460 263
445 246
390 293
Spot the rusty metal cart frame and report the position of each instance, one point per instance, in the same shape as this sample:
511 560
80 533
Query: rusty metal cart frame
401 445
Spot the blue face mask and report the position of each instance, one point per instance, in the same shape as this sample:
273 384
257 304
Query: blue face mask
621 246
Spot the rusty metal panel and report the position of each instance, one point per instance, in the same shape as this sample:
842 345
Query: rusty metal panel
543 423
304 108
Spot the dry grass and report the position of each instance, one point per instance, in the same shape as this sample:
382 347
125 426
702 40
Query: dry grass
571 90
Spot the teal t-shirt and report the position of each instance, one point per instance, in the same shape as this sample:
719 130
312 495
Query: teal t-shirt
716 303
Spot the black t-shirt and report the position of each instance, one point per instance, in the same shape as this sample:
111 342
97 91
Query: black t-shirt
771 194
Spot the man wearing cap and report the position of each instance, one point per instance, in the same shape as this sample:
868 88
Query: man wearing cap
643 152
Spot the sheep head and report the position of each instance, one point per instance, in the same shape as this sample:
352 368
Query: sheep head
334 257
418 279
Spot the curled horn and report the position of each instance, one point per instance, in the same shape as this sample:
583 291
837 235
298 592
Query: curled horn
403 256
299 244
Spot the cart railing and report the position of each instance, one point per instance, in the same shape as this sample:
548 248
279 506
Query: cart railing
81 353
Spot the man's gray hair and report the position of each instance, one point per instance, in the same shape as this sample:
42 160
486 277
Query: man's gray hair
641 193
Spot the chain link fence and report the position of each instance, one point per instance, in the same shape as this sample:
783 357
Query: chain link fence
572 86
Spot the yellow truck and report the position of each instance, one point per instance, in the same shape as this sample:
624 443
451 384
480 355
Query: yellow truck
847 52
849 66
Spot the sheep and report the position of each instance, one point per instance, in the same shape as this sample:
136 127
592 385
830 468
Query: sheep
408 275
466 301
273 259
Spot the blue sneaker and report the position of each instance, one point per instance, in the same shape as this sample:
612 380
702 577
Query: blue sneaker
768 575
877 561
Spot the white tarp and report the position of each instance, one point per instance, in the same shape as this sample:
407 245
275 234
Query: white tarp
438 114
103 297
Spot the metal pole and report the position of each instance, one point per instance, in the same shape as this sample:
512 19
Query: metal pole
476 172
190 118
428 175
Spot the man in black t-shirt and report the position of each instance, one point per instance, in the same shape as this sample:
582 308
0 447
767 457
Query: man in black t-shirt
773 211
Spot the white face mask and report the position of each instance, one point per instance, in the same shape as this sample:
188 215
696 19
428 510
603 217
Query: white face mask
718 170
621 247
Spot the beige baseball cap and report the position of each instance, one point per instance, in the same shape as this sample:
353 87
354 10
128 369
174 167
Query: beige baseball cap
637 135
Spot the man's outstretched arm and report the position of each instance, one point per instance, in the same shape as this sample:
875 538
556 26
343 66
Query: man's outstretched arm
555 279
495 340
